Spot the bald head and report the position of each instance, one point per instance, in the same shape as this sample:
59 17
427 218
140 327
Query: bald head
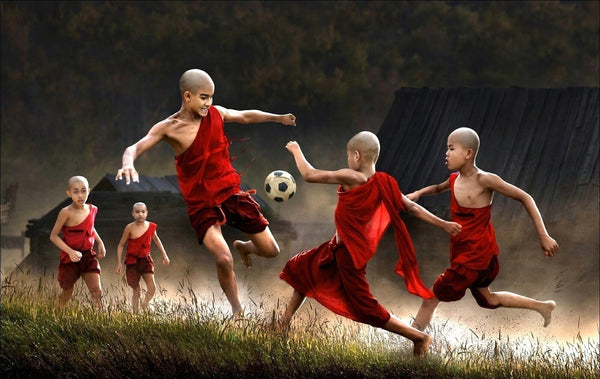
194 80
367 144
139 204
467 138
77 179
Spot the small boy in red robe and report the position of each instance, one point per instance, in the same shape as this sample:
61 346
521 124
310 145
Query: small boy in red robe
334 273
75 223
139 235
473 252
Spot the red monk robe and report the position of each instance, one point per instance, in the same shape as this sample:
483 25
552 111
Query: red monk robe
79 237
204 171
140 247
476 244
334 274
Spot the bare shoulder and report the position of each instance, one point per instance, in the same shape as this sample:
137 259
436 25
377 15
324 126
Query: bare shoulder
488 179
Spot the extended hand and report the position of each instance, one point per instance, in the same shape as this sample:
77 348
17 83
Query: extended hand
292 146
549 245
289 119
130 174
453 228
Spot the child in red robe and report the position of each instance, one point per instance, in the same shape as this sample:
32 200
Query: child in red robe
473 252
335 272
75 223
139 264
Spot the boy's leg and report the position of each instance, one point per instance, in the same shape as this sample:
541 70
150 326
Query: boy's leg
92 281
420 340
216 244
262 244
65 296
292 306
425 313
136 293
513 300
150 289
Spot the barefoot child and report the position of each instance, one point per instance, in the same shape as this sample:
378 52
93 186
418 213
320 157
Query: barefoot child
335 272
139 264
77 257
209 184
473 252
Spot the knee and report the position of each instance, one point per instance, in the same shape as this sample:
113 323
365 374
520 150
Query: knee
224 262
489 302
271 251
96 292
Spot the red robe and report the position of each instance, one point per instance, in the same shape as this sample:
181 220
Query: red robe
79 237
476 244
140 247
204 171
335 274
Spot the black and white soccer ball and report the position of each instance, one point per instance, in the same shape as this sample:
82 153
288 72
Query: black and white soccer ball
280 186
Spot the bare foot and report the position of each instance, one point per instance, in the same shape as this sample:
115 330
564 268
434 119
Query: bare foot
420 348
546 312
244 254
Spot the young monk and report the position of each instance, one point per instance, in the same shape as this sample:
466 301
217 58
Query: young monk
209 184
473 252
138 235
75 223
334 273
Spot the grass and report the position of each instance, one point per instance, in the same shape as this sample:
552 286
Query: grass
190 337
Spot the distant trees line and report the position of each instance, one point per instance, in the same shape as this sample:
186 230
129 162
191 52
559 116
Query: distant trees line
98 74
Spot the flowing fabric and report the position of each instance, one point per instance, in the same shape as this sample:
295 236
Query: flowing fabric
204 171
476 244
334 273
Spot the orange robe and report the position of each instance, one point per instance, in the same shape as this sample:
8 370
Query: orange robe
335 274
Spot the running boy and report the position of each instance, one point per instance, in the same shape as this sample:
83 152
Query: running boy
77 257
473 252
139 264
209 183
334 273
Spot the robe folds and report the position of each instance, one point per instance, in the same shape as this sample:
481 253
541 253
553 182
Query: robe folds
476 244
140 247
204 170
335 273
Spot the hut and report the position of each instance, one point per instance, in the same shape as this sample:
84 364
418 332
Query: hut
114 200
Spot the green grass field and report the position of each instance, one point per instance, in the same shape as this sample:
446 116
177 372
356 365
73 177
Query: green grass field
190 338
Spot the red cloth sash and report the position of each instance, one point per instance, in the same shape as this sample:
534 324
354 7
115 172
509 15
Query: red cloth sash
79 237
363 214
476 244
140 247
204 171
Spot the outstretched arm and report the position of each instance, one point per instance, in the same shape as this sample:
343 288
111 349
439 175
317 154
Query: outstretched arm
346 177
495 183
418 211
429 190
154 136
254 116
124 238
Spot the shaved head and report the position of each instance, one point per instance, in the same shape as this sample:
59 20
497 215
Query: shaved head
367 144
77 179
139 204
193 80
467 138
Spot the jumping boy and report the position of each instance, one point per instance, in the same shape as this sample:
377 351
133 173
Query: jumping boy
209 183
334 273
473 252
139 235
77 257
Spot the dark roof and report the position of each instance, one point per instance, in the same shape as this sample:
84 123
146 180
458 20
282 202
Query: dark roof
145 184
543 140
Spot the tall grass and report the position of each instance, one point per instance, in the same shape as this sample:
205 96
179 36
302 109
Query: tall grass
187 336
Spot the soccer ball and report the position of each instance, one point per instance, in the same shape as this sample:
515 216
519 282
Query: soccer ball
280 186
